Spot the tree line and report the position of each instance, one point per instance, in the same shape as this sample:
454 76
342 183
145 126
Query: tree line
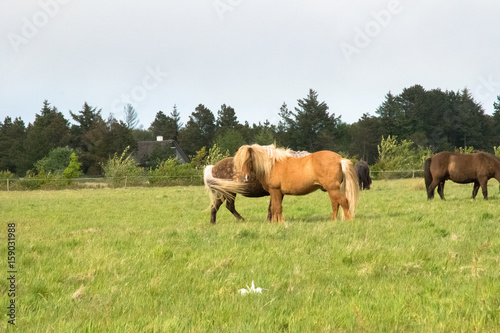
435 119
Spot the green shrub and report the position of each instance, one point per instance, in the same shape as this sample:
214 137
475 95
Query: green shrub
202 158
56 161
464 150
497 151
198 161
40 181
400 158
4 175
171 172
215 155
122 170
73 169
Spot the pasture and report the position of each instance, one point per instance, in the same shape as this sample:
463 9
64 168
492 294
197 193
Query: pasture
148 260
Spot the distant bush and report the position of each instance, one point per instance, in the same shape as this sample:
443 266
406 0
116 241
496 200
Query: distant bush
464 150
73 169
56 161
397 155
215 154
40 181
171 172
4 175
202 158
497 151
122 170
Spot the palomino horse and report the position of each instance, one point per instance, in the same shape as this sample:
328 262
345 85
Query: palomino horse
222 186
280 173
475 168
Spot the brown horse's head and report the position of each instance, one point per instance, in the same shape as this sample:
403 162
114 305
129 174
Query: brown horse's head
243 163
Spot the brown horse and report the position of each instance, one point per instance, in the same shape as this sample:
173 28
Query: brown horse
220 181
280 173
222 185
475 168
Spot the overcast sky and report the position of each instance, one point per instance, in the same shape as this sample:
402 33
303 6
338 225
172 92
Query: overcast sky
250 54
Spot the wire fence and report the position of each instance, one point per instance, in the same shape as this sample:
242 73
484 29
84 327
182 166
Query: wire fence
396 174
59 183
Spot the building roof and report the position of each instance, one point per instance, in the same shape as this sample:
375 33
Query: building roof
145 148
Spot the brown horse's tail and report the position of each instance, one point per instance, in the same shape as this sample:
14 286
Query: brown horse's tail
427 171
221 189
350 186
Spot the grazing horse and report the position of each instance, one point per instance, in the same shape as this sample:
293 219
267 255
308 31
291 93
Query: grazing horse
475 168
280 173
222 185
363 172
220 181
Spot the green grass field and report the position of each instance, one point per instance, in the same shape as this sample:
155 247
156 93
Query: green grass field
148 260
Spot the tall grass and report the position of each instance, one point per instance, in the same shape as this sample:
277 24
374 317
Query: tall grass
148 260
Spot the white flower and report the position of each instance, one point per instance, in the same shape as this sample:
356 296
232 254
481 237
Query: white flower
251 290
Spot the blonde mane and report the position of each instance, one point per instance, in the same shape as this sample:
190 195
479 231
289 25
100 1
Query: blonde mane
263 158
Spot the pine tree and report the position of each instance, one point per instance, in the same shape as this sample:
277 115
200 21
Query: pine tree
90 136
199 130
226 118
315 128
49 130
131 117
496 122
393 119
365 134
12 146
167 126
85 119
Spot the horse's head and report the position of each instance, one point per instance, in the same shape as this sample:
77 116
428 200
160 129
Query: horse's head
243 163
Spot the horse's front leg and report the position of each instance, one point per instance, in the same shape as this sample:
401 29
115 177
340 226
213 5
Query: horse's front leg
276 205
441 190
475 189
269 213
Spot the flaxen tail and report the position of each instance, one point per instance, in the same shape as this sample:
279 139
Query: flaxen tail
350 186
221 189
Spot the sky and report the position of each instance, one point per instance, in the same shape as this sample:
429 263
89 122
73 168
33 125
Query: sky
253 55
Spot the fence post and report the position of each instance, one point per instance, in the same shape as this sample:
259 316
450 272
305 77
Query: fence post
413 175
125 181
7 184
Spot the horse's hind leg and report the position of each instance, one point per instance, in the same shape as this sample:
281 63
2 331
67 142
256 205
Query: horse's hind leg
431 188
230 206
213 211
338 199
